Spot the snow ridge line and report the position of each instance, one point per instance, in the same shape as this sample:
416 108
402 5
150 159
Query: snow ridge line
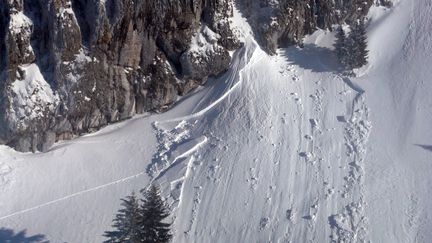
246 52
72 196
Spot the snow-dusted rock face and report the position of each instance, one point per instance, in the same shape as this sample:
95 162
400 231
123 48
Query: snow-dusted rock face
72 66
286 22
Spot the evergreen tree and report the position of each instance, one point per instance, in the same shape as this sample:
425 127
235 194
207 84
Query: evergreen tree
126 223
360 49
341 46
154 212
352 50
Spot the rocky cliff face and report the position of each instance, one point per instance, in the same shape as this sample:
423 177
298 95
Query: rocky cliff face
279 23
71 66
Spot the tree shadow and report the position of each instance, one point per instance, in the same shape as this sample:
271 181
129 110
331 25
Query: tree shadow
425 147
9 236
312 57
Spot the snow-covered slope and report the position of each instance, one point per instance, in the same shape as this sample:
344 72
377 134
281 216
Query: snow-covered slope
279 149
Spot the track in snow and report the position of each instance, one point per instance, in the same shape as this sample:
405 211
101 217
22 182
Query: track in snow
350 225
71 196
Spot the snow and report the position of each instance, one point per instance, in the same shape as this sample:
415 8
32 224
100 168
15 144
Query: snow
203 45
239 26
66 11
67 16
21 26
81 59
279 149
31 96
20 22
205 40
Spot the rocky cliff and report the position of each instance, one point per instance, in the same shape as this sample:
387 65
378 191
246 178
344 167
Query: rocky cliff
279 23
69 67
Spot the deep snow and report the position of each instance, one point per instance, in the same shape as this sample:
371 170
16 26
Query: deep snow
279 149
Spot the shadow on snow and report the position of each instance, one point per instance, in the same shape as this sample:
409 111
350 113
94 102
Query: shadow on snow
9 236
425 147
312 57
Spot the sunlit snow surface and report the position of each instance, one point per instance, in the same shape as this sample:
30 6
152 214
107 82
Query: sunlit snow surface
279 149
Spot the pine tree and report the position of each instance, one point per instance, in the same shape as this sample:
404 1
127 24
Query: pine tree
126 223
352 50
154 213
356 45
360 38
341 46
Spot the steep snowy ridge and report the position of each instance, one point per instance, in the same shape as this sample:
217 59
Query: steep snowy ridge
278 149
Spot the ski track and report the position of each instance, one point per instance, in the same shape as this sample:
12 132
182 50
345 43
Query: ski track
183 155
72 196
